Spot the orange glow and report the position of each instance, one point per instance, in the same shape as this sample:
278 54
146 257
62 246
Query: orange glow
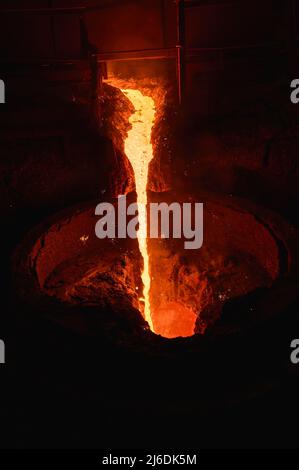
173 319
139 151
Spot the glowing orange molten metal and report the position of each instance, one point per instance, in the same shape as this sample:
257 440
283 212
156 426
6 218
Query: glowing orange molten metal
139 151
169 319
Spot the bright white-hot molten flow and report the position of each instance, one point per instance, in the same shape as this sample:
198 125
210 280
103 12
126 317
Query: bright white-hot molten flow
139 150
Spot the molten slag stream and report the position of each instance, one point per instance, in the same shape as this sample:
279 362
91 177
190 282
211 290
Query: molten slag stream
139 150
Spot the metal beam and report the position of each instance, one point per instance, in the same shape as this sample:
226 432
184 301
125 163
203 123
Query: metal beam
119 56
44 11
203 3
180 47
65 10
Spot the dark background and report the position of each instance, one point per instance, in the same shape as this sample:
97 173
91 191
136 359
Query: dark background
237 126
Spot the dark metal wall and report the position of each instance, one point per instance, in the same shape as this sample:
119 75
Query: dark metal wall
135 24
